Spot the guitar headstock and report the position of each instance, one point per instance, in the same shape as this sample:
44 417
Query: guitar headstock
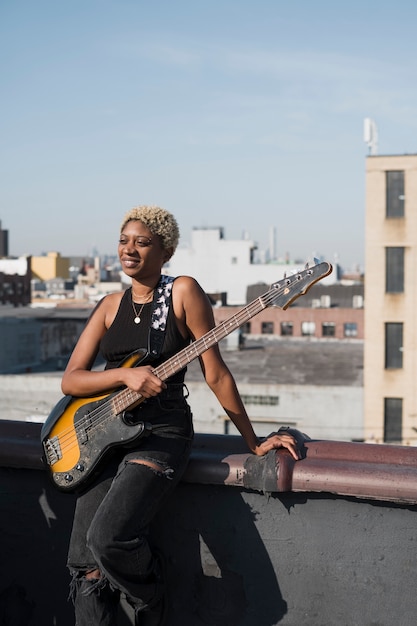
285 291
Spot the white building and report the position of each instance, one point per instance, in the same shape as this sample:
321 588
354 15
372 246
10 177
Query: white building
227 266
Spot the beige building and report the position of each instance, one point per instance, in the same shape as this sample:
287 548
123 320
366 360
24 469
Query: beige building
390 355
52 265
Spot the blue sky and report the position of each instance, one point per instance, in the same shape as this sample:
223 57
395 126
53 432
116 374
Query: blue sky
234 113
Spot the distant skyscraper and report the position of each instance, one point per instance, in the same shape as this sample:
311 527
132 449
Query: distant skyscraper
4 242
272 243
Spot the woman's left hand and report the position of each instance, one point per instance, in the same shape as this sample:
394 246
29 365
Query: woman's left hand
278 441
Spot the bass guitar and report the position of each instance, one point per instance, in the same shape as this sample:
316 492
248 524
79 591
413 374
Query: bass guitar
80 431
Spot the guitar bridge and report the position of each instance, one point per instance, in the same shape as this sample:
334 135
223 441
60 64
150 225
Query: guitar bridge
52 450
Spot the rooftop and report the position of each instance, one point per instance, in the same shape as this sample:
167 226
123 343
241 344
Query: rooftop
293 362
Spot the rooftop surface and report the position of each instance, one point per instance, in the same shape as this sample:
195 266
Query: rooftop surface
294 362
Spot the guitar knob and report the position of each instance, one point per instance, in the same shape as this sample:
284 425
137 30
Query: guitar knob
80 467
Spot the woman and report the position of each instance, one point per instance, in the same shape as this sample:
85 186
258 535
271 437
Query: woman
109 552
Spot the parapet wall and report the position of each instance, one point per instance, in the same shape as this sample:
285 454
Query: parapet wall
241 549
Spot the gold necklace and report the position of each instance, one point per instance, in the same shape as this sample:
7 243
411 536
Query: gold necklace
138 314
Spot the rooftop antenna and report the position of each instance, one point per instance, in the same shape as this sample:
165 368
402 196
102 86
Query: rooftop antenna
370 135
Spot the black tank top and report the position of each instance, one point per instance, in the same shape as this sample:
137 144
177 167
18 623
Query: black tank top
124 336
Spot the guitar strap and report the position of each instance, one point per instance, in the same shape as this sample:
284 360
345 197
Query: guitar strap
161 304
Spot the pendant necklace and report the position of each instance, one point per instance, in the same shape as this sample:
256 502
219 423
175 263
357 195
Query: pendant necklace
139 313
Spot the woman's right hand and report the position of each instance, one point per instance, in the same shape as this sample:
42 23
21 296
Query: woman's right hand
142 380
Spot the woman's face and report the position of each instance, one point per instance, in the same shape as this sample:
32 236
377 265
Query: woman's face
140 252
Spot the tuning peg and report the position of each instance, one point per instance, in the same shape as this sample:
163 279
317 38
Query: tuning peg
316 260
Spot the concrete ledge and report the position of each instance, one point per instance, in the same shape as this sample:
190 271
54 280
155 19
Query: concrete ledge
370 471
377 472
235 557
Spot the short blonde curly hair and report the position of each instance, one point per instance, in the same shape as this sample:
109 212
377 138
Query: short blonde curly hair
159 221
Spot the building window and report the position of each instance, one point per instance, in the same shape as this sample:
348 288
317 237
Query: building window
350 329
393 420
394 270
287 329
308 329
393 345
246 328
394 194
267 328
260 400
328 329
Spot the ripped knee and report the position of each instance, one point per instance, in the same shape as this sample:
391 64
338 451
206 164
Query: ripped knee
86 582
168 472
93 574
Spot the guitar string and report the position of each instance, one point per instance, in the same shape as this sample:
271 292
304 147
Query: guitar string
68 438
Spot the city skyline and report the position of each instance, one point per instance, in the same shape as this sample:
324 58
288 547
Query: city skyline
237 114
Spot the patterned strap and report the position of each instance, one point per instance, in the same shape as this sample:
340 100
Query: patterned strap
161 304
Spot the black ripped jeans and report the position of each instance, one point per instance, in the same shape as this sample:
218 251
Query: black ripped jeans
112 517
